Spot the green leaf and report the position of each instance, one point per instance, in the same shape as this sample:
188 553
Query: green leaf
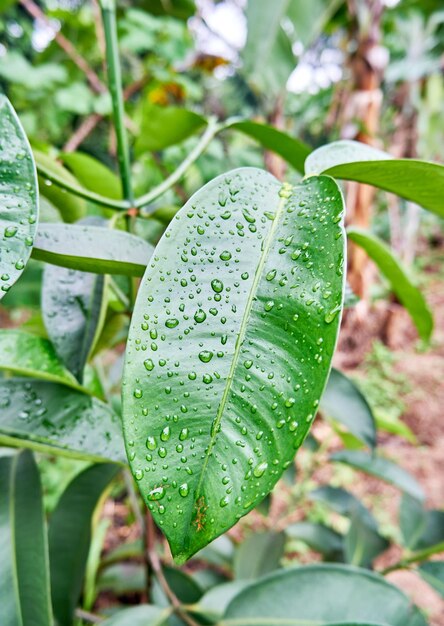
289 148
343 502
92 174
19 193
407 293
92 249
433 533
318 537
73 312
24 573
70 535
27 355
412 520
433 573
346 404
419 181
166 126
363 543
214 603
321 594
244 345
382 468
142 615
123 579
71 207
185 588
259 554
51 418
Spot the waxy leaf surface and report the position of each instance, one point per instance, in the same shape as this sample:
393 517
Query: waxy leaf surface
18 197
230 348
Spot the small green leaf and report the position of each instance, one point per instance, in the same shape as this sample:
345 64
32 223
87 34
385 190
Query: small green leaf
92 249
73 312
407 293
363 543
244 345
19 193
318 537
142 615
166 126
259 554
214 603
51 418
24 573
289 148
70 535
185 588
382 468
71 207
412 520
419 181
343 502
346 404
27 355
321 594
433 573
92 174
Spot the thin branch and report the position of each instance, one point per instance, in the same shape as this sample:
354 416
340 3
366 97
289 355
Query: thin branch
35 11
416 557
212 129
86 616
82 132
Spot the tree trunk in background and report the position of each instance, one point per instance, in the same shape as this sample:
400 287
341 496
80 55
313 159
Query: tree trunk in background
361 115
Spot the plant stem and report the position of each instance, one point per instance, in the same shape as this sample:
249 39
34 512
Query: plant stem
121 205
115 85
156 566
416 557
212 129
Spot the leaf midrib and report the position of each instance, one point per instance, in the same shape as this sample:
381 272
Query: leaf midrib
240 337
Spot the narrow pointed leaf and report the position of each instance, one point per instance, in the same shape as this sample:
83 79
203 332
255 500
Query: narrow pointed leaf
407 293
419 181
230 347
70 536
72 307
51 418
345 403
92 249
18 197
27 355
93 175
289 148
322 595
433 573
382 468
24 572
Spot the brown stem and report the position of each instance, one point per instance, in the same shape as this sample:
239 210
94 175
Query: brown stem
35 11
156 567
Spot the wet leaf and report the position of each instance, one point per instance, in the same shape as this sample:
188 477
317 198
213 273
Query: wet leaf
349 595
24 573
407 293
230 348
419 181
51 418
92 249
19 194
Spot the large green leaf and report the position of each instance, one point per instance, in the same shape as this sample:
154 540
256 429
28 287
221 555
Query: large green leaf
51 418
165 126
71 207
289 148
70 536
92 249
419 181
345 403
320 595
19 197
73 312
407 293
382 468
24 571
92 174
28 355
230 347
